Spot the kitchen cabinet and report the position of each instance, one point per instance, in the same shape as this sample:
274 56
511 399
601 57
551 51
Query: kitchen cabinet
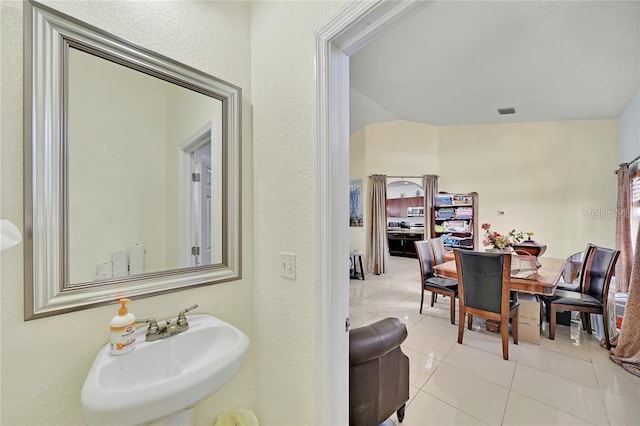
397 207
454 219
402 243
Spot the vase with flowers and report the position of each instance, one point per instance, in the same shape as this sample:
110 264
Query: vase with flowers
502 242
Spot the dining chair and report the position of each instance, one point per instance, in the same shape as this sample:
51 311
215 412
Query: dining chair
431 282
437 247
598 269
572 276
574 270
483 291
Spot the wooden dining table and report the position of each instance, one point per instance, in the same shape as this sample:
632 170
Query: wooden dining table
544 282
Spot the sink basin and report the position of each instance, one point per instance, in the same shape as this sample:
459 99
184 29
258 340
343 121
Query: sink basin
163 378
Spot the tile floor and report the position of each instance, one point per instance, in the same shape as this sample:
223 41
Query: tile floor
569 381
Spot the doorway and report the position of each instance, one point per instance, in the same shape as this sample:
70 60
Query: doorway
357 25
198 242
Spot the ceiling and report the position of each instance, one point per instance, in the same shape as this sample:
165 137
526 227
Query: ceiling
455 63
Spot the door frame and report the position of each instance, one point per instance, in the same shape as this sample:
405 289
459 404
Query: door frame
357 25
199 138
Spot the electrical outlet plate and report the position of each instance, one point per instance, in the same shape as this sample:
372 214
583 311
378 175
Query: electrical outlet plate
288 265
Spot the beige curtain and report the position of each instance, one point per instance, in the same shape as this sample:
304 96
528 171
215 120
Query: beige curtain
627 343
378 245
623 230
430 185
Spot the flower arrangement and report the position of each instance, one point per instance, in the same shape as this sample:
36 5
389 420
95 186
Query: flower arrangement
500 241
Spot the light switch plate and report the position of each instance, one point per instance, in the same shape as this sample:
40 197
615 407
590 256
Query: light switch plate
288 265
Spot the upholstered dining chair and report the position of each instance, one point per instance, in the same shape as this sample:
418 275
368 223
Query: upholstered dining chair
599 266
572 277
574 270
437 247
483 291
431 282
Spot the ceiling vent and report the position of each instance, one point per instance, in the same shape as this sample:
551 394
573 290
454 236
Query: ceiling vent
505 111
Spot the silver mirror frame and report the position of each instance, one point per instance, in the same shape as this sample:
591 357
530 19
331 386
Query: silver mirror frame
47 36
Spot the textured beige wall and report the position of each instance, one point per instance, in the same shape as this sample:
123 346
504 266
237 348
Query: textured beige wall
285 190
402 148
553 178
44 362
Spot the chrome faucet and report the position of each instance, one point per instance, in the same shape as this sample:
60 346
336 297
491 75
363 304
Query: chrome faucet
157 332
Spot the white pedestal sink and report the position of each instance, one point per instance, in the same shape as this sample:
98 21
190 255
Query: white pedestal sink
161 381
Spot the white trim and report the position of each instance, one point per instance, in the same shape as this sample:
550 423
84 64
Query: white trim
351 30
185 214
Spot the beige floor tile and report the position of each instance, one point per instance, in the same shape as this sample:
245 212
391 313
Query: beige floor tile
566 395
428 344
408 316
358 316
482 364
469 393
489 342
439 326
373 306
526 411
559 364
359 290
421 367
621 410
390 297
615 380
426 410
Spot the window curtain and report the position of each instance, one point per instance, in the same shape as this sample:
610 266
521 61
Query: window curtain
627 344
430 185
378 245
623 229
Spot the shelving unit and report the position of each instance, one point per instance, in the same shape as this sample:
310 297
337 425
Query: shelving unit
454 219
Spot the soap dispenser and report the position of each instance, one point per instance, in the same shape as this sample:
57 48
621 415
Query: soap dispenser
122 327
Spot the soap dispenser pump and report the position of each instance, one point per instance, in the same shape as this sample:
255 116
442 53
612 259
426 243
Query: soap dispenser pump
123 326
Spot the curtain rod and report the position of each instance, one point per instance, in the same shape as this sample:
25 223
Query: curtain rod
629 163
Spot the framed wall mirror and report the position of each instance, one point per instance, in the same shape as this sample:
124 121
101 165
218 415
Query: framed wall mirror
132 169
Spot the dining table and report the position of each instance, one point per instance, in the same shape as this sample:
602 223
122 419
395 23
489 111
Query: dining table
543 282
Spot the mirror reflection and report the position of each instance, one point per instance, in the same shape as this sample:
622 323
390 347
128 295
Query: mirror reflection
144 173
132 170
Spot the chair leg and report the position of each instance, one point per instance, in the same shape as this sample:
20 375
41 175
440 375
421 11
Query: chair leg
422 299
552 322
453 309
514 327
587 320
583 321
400 413
433 298
605 324
469 321
460 326
505 338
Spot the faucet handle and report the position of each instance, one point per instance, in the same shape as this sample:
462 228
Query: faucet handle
181 323
153 331
184 311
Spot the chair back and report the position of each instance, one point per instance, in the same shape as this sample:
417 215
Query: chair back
598 270
437 245
582 256
425 257
482 279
